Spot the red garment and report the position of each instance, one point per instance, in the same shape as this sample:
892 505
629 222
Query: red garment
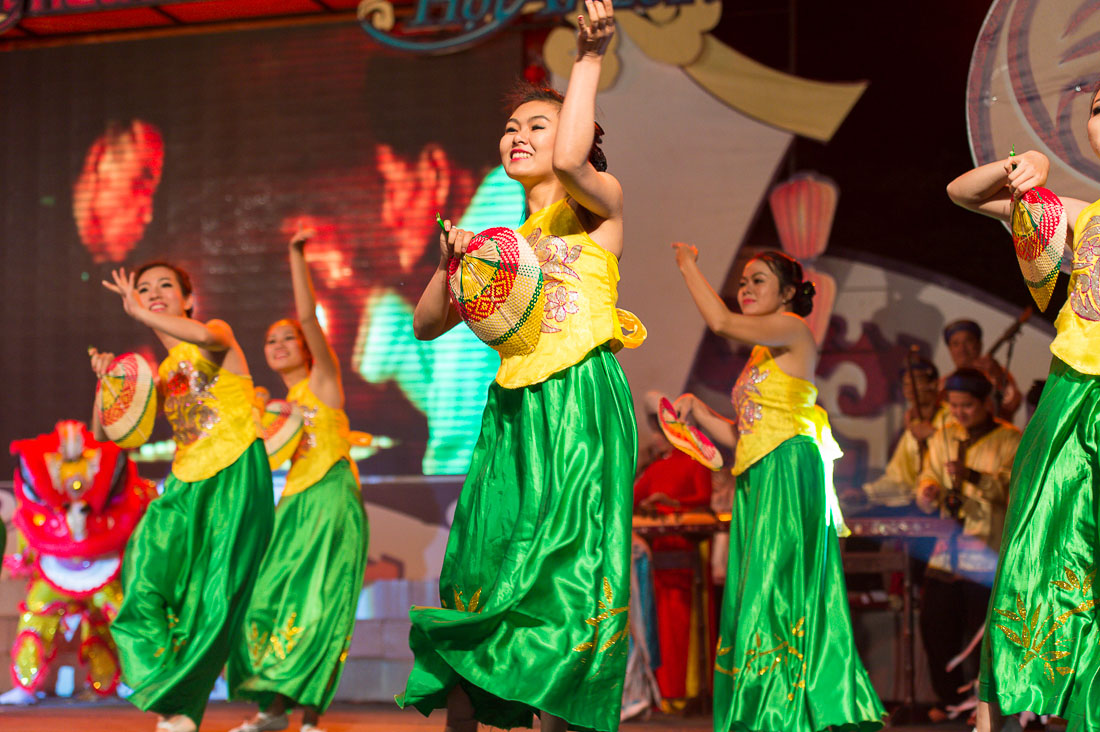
683 479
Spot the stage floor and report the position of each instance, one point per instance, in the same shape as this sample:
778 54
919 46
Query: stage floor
61 716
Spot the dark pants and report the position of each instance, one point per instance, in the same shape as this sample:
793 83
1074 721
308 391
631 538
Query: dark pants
951 611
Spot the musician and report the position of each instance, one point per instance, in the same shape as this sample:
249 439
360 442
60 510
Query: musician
965 477
964 342
674 483
924 414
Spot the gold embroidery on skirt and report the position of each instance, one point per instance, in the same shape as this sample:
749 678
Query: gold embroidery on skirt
1033 635
606 611
781 654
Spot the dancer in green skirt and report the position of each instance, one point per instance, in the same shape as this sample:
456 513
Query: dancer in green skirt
299 623
536 577
1041 651
785 659
192 561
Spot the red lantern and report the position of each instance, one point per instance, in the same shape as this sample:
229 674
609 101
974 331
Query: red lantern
803 209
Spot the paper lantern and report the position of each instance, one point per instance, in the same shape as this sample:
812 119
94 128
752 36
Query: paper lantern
126 400
497 288
803 209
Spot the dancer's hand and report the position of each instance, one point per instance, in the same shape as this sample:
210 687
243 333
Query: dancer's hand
124 285
1026 171
685 253
594 37
453 242
298 241
100 361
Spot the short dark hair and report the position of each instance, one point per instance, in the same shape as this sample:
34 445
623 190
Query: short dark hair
789 272
970 381
182 278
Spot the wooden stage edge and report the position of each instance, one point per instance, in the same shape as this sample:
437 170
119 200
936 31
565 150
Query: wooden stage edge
117 716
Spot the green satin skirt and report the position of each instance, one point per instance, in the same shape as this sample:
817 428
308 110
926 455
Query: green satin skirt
536 578
187 578
786 659
1042 643
299 623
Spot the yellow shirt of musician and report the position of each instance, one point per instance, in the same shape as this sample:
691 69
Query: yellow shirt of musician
580 281
1078 340
983 503
210 410
770 407
324 440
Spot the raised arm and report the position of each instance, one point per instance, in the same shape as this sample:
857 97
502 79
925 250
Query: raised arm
993 188
325 373
599 192
434 314
779 330
213 336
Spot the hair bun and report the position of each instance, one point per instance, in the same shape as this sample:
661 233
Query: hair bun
808 289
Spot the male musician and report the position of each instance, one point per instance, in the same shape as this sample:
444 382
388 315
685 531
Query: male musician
673 482
924 414
964 342
965 477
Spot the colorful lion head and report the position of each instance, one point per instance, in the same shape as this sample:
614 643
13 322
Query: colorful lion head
77 502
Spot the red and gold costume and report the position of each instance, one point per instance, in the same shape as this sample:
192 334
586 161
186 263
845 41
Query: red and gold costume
687 482
77 501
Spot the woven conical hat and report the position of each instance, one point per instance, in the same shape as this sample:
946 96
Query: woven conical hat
497 289
1039 233
687 438
126 400
281 429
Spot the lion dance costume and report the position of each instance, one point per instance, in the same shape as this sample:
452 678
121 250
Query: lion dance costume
77 502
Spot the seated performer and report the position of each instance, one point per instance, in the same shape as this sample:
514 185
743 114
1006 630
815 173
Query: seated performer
674 482
924 414
965 477
964 342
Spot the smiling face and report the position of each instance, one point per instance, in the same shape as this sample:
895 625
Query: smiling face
968 410
159 290
964 347
759 292
527 146
283 347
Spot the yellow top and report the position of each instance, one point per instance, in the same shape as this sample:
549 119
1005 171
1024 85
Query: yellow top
210 410
983 503
1078 322
771 407
324 439
580 279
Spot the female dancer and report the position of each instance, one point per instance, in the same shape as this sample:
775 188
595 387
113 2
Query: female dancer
1041 651
299 622
192 561
535 580
785 658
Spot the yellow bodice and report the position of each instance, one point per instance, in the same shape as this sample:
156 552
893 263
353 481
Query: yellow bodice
770 407
324 439
210 410
580 279
1078 323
